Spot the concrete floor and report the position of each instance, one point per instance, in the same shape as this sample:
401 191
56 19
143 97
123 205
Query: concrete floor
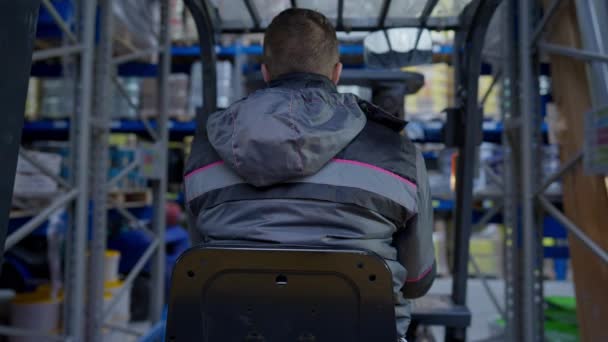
481 306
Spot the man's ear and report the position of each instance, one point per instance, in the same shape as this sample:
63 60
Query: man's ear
265 73
336 72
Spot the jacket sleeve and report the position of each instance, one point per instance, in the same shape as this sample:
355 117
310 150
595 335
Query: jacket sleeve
415 249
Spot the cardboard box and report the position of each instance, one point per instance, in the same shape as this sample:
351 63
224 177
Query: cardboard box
34 186
52 162
487 253
437 93
178 96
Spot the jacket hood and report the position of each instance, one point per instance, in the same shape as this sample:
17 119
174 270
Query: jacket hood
289 130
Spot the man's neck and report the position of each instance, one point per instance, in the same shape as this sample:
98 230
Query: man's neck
303 80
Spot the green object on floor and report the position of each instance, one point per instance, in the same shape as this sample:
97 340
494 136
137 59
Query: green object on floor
560 320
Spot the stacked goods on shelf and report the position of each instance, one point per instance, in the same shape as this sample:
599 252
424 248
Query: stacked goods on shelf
196 88
550 165
30 182
224 86
490 160
37 311
441 248
120 158
190 33
126 103
57 98
224 83
183 27
121 314
176 19
131 190
178 97
491 109
40 310
134 26
491 156
439 176
33 189
486 251
32 102
436 94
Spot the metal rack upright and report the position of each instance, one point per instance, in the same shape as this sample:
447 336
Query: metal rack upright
75 190
93 66
106 69
523 46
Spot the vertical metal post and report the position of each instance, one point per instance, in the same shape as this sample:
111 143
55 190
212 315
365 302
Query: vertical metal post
464 185
157 293
510 162
468 45
528 97
99 174
70 66
77 235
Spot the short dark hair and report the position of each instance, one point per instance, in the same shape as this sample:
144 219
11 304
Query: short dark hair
300 40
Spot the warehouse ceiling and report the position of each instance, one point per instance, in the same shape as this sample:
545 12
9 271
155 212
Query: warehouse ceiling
346 15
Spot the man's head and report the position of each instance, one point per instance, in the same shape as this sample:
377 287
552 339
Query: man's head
301 40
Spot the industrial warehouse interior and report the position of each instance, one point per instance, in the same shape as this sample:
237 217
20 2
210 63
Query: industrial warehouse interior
128 212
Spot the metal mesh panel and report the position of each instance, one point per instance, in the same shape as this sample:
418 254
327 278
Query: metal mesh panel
268 9
233 14
449 8
328 7
403 9
362 12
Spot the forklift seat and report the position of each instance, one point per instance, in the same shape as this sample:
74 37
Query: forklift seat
279 294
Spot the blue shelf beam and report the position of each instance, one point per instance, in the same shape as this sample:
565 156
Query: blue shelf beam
58 129
253 50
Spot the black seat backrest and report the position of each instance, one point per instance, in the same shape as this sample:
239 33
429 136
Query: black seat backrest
224 294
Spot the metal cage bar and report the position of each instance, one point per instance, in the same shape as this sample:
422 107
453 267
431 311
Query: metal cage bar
467 60
386 5
340 19
253 13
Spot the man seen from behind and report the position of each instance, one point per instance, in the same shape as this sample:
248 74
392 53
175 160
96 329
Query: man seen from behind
299 163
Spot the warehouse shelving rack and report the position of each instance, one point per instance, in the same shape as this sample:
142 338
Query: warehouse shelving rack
89 59
106 70
79 42
523 44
